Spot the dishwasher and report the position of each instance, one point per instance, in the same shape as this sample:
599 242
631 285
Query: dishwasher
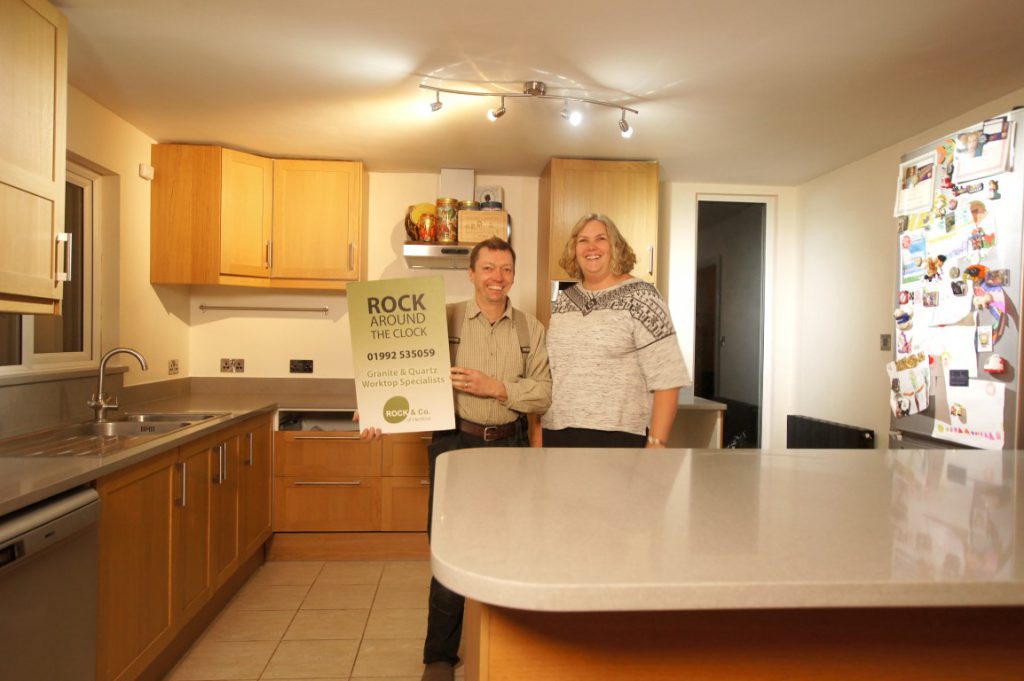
48 585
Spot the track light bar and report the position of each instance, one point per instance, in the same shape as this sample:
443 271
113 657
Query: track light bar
538 90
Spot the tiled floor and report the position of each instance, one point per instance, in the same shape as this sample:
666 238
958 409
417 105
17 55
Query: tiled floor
323 621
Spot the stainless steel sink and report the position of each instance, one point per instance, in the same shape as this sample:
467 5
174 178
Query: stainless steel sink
100 439
170 416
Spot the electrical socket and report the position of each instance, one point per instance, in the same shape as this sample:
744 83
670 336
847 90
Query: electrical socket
226 365
172 367
239 365
300 366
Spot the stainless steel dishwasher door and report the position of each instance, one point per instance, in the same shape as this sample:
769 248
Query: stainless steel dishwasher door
48 585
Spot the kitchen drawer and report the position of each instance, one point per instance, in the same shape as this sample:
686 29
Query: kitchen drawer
325 454
404 504
406 454
327 504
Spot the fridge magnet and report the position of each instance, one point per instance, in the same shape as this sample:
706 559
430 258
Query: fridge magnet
983 151
933 267
902 222
954 272
915 185
930 298
958 377
997 278
993 300
976 273
903 344
993 190
983 336
959 288
904 318
908 379
959 412
939 207
995 365
982 423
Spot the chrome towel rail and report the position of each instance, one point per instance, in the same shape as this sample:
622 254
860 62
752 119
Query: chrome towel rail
256 308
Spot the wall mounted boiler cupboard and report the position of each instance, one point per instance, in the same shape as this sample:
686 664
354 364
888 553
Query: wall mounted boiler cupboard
33 64
221 216
625 191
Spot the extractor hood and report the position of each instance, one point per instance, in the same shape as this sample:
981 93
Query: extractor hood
437 256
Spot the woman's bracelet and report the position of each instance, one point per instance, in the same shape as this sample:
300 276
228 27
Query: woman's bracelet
651 440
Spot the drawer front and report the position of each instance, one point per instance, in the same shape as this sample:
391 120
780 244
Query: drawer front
334 504
324 454
404 504
406 455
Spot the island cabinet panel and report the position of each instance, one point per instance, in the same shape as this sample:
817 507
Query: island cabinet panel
625 191
170 538
33 89
220 216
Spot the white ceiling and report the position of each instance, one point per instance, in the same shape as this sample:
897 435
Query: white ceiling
733 91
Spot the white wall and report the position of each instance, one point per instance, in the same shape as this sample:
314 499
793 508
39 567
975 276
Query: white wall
846 284
154 323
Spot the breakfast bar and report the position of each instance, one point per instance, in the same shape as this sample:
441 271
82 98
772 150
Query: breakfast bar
700 564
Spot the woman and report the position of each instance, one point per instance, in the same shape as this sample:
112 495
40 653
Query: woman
615 361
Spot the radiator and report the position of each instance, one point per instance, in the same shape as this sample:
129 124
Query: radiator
804 432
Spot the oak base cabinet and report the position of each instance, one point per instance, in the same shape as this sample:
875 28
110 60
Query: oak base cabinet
331 481
169 529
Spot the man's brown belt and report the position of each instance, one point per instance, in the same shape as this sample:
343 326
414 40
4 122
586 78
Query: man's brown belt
488 433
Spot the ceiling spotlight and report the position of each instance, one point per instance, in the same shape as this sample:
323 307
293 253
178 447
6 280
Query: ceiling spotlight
495 114
627 131
436 105
575 117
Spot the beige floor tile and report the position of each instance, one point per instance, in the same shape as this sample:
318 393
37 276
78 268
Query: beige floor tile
350 572
327 624
287 573
406 572
391 657
404 596
218 660
235 624
397 623
339 596
312 659
260 597
389 678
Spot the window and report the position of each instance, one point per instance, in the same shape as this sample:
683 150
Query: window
39 341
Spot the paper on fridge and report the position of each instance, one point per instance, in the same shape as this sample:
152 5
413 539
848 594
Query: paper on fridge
975 415
400 354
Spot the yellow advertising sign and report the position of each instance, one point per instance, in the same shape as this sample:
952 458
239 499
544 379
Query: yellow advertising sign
400 354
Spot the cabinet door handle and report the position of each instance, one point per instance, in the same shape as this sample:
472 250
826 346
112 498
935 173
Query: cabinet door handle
328 483
184 483
327 437
66 238
270 254
426 438
425 483
221 463
650 252
351 255
248 436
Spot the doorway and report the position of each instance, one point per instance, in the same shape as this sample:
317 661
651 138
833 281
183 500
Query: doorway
729 319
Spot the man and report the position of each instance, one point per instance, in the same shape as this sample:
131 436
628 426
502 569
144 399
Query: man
499 375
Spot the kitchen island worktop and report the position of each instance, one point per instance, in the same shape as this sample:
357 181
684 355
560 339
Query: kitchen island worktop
557 548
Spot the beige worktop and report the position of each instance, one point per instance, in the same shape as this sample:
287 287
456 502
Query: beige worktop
574 530
24 481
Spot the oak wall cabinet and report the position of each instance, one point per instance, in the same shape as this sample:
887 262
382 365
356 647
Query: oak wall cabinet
33 111
625 191
221 216
169 539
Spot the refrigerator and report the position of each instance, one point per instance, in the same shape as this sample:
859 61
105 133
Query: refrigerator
954 375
